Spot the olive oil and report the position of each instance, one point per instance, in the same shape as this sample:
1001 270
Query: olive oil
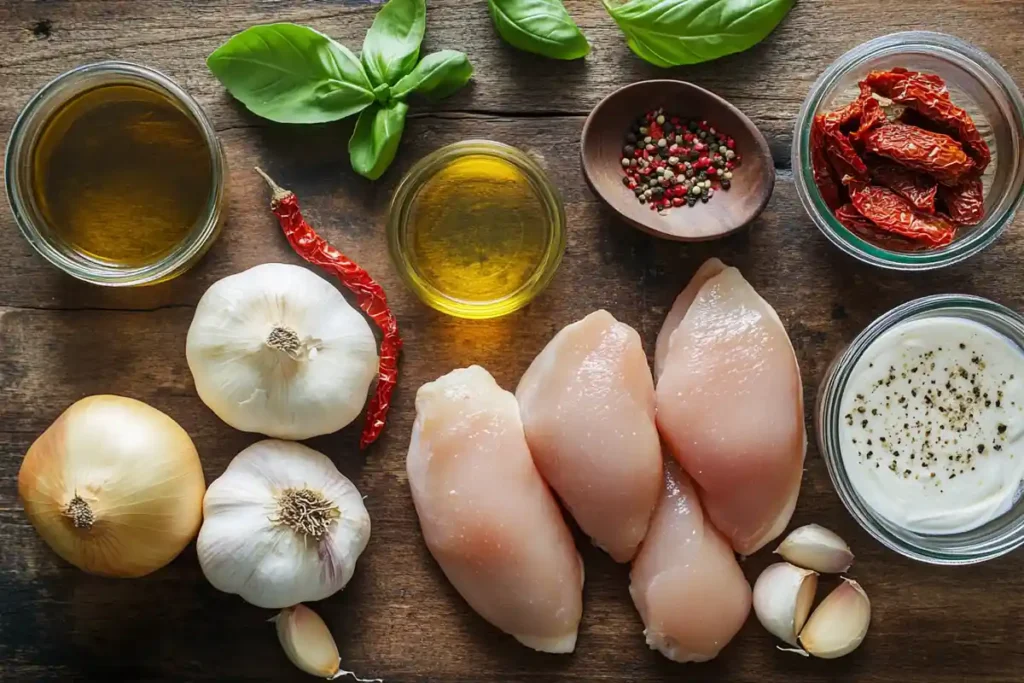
479 231
121 174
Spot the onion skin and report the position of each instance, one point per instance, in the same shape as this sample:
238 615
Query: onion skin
132 473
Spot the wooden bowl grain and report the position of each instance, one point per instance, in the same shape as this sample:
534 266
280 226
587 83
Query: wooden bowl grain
601 153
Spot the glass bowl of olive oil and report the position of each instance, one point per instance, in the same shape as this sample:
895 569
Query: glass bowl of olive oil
116 176
476 229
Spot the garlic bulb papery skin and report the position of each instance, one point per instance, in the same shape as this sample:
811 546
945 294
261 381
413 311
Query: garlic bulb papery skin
815 547
282 526
783 595
114 486
838 626
277 350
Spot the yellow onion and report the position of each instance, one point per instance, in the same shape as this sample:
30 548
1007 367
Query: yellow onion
114 486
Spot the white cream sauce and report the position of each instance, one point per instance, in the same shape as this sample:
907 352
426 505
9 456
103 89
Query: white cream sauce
932 425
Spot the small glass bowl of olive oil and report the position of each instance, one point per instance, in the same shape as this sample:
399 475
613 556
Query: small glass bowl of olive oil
476 229
116 176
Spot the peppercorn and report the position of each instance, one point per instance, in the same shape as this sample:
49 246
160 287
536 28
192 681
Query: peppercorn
668 162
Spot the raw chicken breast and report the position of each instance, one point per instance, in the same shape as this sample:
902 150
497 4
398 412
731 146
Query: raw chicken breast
587 403
487 516
686 583
730 408
708 270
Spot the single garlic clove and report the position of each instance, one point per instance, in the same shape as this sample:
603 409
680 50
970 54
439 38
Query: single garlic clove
308 642
783 595
838 626
815 547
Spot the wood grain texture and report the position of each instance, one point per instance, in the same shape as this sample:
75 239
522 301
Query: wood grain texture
399 619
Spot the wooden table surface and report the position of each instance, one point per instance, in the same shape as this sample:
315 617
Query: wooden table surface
399 619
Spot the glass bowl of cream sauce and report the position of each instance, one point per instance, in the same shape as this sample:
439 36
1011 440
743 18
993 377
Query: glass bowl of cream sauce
921 424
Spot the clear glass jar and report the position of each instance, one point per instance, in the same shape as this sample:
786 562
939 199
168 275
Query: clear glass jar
18 172
991 540
978 84
403 240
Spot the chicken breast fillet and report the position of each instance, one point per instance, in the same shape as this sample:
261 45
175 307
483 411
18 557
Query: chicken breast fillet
587 403
730 407
685 582
486 514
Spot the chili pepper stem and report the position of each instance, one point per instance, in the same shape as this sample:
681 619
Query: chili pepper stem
279 192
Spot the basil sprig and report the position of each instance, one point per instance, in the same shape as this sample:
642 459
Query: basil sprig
293 74
539 26
676 32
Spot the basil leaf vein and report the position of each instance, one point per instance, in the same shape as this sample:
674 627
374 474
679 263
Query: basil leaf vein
543 27
392 45
292 74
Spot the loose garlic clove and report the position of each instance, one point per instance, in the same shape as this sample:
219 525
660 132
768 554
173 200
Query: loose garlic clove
783 595
840 622
817 548
307 642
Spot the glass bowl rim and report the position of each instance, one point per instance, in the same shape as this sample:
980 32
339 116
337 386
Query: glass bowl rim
423 170
827 416
207 225
956 50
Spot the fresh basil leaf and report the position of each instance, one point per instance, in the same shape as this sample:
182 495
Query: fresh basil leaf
373 144
674 32
392 45
437 76
539 26
291 74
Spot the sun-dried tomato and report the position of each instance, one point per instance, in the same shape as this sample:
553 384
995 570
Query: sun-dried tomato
872 116
823 178
894 214
898 77
843 156
924 94
912 186
965 203
936 154
851 219
841 153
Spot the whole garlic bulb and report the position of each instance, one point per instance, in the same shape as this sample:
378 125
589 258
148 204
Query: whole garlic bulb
281 526
277 350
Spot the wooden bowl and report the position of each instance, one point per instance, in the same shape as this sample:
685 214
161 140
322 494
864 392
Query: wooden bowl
601 153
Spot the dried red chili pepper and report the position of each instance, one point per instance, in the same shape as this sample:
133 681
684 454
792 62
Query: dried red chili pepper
922 92
965 203
370 295
848 215
823 178
894 214
912 186
936 154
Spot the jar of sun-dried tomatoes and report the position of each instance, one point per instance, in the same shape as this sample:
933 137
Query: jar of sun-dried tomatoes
977 84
